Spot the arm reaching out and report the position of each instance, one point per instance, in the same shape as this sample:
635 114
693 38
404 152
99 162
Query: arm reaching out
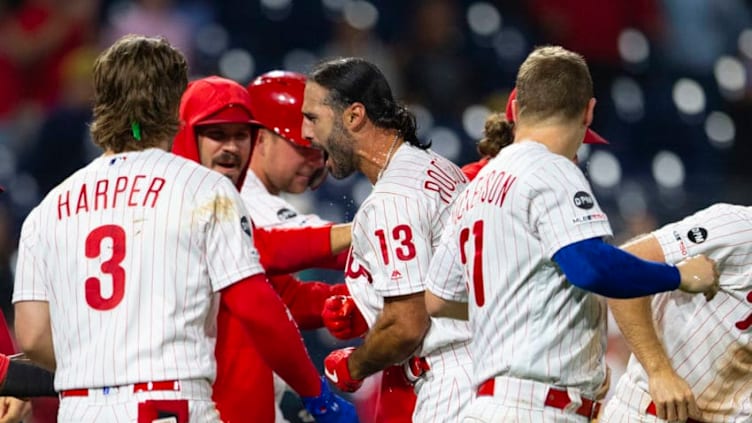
670 393
279 342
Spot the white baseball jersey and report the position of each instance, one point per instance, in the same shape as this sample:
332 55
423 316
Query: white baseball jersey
395 233
272 210
709 342
528 321
129 252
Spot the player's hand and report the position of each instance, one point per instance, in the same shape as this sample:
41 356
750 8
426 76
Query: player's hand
699 274
342 317
336 370
329 408
14 410
672 397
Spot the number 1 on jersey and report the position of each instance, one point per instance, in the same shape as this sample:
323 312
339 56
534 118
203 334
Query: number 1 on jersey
112 267
477 270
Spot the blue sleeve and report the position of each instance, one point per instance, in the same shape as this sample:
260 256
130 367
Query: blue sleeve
603 269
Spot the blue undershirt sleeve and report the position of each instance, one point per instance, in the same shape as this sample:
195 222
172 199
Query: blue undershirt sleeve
601 268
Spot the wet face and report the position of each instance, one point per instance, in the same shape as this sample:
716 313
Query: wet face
324 127
225 148
285 166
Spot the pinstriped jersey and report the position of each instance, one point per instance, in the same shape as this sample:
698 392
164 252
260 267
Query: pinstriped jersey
709 342
129 252
396 231
527 320
269 210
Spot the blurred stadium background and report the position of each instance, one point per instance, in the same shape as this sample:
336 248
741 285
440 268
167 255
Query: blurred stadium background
672 80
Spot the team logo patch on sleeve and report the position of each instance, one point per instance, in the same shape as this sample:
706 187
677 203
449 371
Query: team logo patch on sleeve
697 235
245 225
583 200
285 213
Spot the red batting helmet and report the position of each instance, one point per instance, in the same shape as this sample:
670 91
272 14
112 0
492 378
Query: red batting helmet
277 101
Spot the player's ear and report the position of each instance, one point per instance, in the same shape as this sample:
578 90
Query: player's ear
354 116
588 119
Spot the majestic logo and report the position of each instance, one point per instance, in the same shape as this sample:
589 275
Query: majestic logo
583 200
697 235
285 213
245 225
396 275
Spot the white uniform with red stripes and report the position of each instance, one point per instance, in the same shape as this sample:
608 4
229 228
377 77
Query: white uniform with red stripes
709 343
129 252
532 329
269 210
395 233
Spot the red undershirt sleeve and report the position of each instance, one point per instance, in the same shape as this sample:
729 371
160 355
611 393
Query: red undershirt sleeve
274 332
288 250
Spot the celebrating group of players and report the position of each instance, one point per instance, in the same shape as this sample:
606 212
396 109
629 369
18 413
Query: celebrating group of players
475 299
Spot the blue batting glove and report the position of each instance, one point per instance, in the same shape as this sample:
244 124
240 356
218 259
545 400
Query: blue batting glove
330 408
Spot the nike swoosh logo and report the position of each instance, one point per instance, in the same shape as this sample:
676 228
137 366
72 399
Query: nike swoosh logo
332 376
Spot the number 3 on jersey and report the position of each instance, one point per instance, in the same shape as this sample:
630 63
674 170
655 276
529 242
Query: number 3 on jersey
111 267
476 274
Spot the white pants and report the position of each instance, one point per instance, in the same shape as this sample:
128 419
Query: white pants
518 400
446 389
121 404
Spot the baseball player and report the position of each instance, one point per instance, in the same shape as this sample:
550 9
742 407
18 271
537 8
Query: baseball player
217 132
692 359
285 162
527 233
119 265
350 113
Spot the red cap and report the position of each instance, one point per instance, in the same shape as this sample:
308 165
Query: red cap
591 137
233 113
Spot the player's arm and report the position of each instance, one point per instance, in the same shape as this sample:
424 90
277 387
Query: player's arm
439 307
396 334
23 379
596 266
34 332
277 338
288 250
670 393
305 299
446 291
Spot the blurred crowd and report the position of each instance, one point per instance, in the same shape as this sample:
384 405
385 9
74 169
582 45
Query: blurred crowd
671 77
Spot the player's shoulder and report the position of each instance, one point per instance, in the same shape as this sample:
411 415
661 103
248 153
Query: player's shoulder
413 169
722 214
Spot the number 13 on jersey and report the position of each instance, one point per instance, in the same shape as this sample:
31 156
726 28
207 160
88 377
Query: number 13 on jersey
473 237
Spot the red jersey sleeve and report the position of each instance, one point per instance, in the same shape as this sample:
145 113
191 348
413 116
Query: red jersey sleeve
287 250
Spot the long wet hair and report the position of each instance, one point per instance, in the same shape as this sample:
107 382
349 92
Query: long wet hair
138 82
354 80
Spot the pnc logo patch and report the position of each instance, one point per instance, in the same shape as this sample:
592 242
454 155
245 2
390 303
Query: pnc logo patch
697 235
583 200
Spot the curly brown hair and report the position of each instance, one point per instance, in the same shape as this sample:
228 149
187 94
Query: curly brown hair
137 80
497 134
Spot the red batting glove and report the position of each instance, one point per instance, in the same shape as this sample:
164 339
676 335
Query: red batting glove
342 317
336 370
